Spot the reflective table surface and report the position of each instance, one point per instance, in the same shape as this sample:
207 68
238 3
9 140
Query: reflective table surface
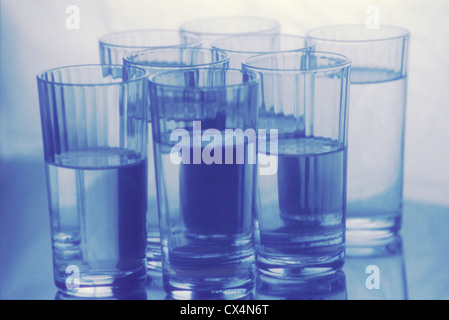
414 265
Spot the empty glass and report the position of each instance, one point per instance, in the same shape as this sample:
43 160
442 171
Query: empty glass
115 46
204 145
212 28
241 47
155 61
301 200
376 124
94 126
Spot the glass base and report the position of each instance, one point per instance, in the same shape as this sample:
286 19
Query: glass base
329 286
299 266
104 284
179 288
379 247
371 230
154 257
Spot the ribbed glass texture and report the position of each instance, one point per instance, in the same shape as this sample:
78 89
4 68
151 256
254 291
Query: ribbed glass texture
244 46
204 192
301 202
155 61
94 124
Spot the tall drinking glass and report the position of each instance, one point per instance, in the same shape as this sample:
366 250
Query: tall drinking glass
204 143
213 28
376 124
241 47
114 47
155 61
94 126
301 198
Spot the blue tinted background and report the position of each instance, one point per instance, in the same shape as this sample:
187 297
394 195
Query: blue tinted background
34 37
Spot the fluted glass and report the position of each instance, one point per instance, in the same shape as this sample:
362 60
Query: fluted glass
94 126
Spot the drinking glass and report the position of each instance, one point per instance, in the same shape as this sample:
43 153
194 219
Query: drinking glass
117 45
204 146
155 61
213 28
94 126
301 197
241 47
376 124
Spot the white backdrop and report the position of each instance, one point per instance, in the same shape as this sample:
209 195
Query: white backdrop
34 37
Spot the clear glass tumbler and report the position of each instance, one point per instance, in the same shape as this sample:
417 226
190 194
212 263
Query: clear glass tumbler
376 124
213 28
204 145
241 47
155 61
301 198
114 47
94 126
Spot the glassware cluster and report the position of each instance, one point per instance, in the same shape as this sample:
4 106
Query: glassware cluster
227 156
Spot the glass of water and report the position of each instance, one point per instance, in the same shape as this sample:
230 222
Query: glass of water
204 124
301 197
155 61
376 124
94 126
241 47
116 46
213 28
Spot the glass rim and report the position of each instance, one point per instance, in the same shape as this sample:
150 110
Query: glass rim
128 60
102 39
275 25
40 75
242 36
403 33
346 62
256 77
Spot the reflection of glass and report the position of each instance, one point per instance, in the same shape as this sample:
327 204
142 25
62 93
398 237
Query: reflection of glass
376 272
324 287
